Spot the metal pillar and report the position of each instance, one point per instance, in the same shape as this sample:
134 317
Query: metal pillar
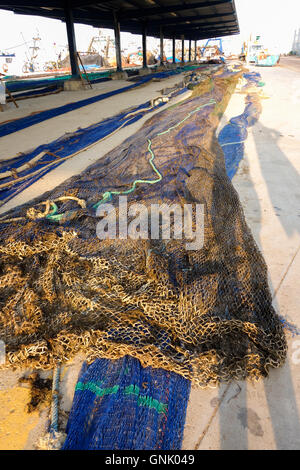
117 43
182 49
190 50
196 49
161 46
144 41
173 50
71 39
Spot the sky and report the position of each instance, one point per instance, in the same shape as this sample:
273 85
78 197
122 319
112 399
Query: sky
274 20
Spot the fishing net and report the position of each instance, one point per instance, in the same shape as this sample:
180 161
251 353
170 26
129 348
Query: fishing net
234 134
205 314
121 405
18 173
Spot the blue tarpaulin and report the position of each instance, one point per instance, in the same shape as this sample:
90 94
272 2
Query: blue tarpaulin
23 123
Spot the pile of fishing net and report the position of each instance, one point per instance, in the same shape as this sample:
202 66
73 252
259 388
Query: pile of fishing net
121 405
205 314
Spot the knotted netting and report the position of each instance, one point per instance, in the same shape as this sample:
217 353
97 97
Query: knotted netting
205 314
121 405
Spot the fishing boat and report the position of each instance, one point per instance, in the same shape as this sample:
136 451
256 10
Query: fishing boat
7 63
257 54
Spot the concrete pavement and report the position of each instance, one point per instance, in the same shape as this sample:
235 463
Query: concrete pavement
264 415
291 63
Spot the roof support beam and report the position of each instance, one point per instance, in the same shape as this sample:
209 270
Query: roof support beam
201 27
118 43
161 46
222 34
100 14
104 19
146 12
183 19
182 49
84 3
32 3
173 49
190 33
205 23
206 33
144 41
71 40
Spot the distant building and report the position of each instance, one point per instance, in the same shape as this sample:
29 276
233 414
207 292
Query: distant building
296 42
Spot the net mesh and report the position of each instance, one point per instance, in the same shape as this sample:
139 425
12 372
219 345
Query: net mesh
205 314
121 405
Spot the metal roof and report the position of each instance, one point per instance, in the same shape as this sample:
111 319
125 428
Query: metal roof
195 19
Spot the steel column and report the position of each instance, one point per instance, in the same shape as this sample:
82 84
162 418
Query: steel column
161 46
71 39
118 43
144 40
173 50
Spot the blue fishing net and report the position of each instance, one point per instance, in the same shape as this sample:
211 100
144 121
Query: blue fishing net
253 79
234 134
22 85
63 147
121 405
27 121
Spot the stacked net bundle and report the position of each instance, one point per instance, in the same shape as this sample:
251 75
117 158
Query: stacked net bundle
121 405
205 314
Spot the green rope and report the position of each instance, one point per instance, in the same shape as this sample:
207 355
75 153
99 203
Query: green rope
142 400
107 196
211 101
